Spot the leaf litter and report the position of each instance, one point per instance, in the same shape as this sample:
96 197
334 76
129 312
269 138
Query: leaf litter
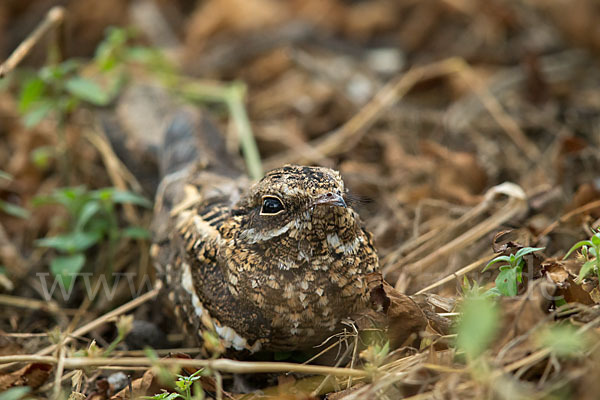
468 131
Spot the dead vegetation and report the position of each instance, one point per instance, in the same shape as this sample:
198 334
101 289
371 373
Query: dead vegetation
466 130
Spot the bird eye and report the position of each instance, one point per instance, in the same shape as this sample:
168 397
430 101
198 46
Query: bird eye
271 205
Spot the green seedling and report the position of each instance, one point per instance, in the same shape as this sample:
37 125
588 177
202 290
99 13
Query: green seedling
589 250
15 393
183 388
563 340
478 325
92 221
58 89
511 272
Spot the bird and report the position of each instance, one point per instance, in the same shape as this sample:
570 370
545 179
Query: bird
274 265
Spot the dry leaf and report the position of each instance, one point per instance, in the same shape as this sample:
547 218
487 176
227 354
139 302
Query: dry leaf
33 375
564 280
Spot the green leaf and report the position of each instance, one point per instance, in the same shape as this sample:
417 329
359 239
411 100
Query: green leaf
563 340
41 156
596 240
576 246
585 270
164 396
37 113
136 232
526 250
87 90
123 196
5 175
31 92
72 198
67 264
506 282
478 325
14 210
66 267
15 393
493 292
88 210
560 302
71 242
495 260
54 74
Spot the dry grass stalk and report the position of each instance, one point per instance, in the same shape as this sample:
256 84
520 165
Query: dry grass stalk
54 19
346 137
223 365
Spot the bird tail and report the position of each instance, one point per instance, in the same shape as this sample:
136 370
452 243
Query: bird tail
179 149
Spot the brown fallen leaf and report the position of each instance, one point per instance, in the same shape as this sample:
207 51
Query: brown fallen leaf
393 312
33 375
557 271
147 385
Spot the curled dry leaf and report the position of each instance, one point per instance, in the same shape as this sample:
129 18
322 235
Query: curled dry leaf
33 375
396 312
559 273
147 385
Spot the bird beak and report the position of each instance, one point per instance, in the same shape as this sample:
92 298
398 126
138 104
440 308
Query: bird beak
331 199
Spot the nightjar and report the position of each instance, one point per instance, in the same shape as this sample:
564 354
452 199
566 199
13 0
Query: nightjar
275 265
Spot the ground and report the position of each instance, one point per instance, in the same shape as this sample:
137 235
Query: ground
465 131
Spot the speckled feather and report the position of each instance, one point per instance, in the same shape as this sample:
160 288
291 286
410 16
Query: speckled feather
260 281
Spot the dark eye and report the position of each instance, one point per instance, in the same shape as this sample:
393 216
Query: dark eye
271 205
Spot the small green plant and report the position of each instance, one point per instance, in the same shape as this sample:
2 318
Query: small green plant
564 340
474 290
16 393
59 88
478 324
589 251
511 273
183 388
375 355
92 220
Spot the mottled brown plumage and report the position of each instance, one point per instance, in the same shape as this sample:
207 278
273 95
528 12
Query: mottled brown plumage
274 266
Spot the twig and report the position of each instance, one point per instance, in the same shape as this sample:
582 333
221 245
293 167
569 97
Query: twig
455 275
516 204
54 18
117 171
60 369
22 302
233 97
222 365
508 124
235 103
354 129
570 214
98 321
425 244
